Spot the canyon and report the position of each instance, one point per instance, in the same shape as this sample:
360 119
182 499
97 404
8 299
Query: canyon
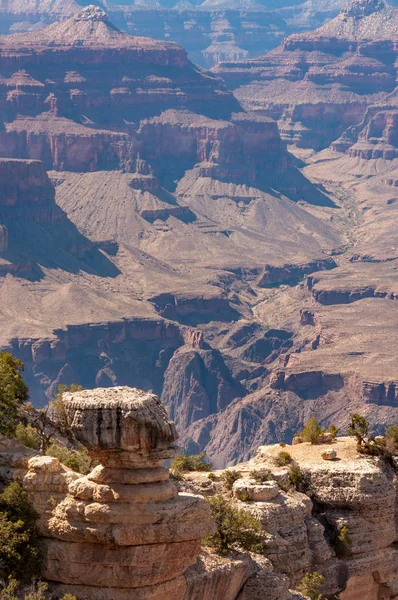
161 232
210 31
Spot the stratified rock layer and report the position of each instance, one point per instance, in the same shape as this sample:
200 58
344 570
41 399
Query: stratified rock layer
319 83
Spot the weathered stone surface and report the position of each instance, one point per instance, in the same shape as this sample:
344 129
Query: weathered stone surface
121 419
125 567
244 488
105 534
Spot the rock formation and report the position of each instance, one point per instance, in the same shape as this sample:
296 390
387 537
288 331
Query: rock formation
151 159
125 529
319 83
350 491
210 32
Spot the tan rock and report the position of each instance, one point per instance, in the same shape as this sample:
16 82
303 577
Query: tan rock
297 440
329 455
120 418
248 488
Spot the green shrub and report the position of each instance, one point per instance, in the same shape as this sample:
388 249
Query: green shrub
38 592
20 553
10 590
343 543
391 439
229 477
310 585
77 460
333 431
312 431
244 497
212 477
13 392
237 529
184 463
261 476
283 459
297 478
28 436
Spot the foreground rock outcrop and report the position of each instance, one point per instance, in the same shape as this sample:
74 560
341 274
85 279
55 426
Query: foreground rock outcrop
124 529
303 528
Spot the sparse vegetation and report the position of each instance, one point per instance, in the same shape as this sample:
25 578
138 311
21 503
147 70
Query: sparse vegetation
20 554
229 477
391 439
261 476
77 460
244 497
283 459
358 428
13 392
184 463
28 436
237 529
332 429
297 478
311 584
343 543
57 409
312 431
38 592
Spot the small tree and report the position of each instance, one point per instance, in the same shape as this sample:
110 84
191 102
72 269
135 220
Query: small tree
28 436
358 428
297 478
392 439
57 409
237 529
13 392
332 429
312 431
311 584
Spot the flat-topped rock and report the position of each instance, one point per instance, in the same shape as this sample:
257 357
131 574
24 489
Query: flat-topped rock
121 419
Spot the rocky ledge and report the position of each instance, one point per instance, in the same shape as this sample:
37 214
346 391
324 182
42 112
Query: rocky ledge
125 529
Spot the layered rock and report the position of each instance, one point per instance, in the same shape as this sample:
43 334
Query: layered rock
123 527
317 84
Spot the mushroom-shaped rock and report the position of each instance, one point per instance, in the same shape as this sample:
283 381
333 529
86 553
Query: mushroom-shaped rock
121 420
123 528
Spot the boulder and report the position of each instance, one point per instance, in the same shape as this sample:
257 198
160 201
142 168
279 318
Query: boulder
250 489
329 455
